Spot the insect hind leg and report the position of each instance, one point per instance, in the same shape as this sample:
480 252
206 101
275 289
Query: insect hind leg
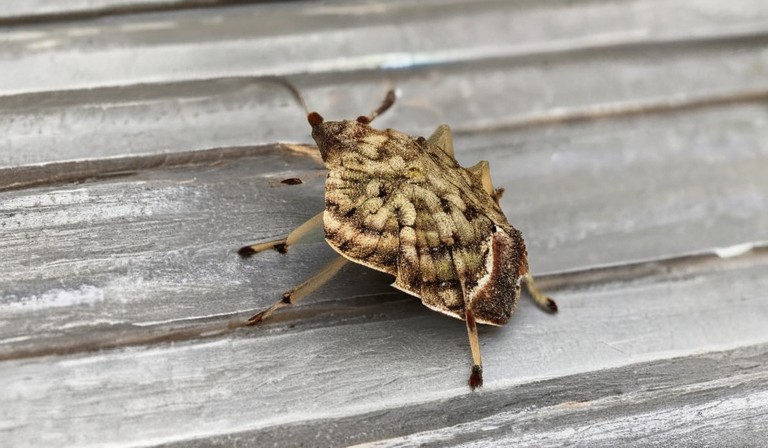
281 244
540 298
304 289
476 376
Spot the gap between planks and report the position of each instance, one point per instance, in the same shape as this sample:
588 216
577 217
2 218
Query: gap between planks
95 12
607 43
126 335
585 409
16 178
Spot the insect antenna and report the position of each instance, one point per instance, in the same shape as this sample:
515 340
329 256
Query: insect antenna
295 92
389 100
315 118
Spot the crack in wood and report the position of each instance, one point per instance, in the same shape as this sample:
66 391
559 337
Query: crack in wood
583 409
16 178
19 178
114 10
623 109
121 336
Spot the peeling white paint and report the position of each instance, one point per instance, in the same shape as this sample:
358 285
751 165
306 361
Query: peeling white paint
734 251
55 298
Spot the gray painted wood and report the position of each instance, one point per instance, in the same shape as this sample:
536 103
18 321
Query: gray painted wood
195 115
590 409
319 38
159 244
538 77
384 358
141 149
42 11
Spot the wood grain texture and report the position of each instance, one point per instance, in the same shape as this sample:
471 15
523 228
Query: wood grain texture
601 408
182 110
159 244
321 38
386 358
142 148
47 11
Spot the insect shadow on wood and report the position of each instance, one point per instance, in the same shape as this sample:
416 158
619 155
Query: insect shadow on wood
404 206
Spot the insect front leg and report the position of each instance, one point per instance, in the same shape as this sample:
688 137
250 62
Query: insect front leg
307 287
281 244
541 300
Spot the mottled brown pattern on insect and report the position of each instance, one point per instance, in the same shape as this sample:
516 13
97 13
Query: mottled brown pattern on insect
403 206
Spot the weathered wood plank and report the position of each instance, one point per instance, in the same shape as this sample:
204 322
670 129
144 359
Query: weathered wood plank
144 120
118 294
282 39
177 116
159 245
392 359
126 243
639 188
715 399
32 11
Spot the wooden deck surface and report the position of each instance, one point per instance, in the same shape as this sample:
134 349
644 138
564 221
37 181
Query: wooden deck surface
145 141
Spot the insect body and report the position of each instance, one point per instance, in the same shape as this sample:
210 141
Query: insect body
403 205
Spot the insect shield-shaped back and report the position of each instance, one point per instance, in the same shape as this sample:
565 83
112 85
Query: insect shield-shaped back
404 206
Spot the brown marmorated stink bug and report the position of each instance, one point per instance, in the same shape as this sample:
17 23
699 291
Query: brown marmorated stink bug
403 205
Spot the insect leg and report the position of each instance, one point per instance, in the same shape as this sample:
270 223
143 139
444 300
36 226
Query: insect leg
542 300
307 287
281 244
476 377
